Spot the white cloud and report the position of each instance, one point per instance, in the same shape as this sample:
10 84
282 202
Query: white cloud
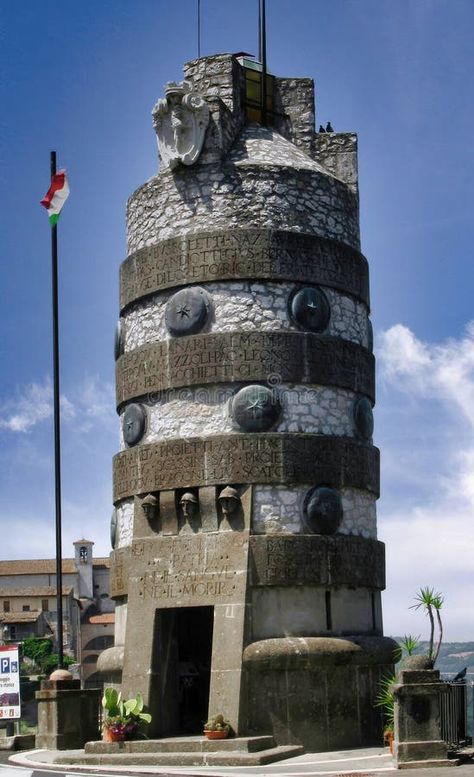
90 435
32 405
91 400
427 412
443 372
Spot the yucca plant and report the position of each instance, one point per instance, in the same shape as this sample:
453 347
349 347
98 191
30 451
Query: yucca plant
386 700
409 643
431 603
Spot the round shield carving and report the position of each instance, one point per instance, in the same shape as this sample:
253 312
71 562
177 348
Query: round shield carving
322 510
134 422
310 309
187 311
370 336
113 529
118 344
363 418
255 408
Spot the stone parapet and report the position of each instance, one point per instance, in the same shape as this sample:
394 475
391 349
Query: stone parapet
68 716
332 683
417 734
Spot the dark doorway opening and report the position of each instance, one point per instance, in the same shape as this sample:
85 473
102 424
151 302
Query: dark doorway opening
186 637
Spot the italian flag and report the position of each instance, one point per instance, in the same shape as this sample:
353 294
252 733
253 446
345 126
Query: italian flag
56 196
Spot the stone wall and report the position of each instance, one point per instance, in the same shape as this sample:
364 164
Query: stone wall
245 307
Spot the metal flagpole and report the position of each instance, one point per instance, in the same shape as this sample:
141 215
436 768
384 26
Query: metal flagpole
263 52
57 427
199 27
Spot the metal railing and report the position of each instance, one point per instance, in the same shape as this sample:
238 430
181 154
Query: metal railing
456 713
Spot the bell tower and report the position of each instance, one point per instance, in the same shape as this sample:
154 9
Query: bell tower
246 566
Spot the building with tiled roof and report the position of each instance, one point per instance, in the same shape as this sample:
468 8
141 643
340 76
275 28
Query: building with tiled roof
28 604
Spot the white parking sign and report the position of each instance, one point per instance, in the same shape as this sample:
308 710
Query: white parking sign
10 706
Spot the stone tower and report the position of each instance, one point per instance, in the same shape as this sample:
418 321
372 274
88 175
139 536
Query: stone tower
246 568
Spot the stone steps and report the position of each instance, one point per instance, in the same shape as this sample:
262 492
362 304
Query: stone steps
182 751
196 744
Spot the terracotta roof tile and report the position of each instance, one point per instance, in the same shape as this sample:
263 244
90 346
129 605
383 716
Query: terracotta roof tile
20 617
106 617
37 566
11 593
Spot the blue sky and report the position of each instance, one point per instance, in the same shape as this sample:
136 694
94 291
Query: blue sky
82 78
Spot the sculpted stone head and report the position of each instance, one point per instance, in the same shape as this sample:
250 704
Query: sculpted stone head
149 505
229 500
189 505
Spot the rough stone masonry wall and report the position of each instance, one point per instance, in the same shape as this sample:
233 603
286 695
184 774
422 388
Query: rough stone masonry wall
219 198
245 307
205 411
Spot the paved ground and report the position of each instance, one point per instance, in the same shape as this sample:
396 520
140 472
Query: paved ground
375 762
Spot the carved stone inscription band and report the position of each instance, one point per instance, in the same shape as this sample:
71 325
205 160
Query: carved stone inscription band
246 458
243 254
297 559
276 357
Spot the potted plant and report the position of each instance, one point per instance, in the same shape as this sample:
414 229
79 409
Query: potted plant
122 717
217 728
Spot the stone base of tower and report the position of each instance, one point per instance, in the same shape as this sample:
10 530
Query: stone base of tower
317 692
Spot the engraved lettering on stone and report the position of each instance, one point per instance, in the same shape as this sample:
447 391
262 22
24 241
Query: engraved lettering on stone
317 559
243 254
180 121
245 458
247 356
188 568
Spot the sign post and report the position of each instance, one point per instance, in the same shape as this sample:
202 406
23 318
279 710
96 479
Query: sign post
10 705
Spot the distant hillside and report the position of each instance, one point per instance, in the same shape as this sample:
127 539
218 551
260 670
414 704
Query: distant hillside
453 657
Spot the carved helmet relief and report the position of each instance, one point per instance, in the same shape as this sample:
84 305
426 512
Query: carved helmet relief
309 308
255 408
180 120
322 510
187 311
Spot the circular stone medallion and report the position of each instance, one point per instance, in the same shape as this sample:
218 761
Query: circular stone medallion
255 408
370 336
310 309
133 424
187 311
113 529
323 510
118 344
363 418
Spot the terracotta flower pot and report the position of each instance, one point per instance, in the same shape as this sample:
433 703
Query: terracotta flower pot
114 733
216 734
388 736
